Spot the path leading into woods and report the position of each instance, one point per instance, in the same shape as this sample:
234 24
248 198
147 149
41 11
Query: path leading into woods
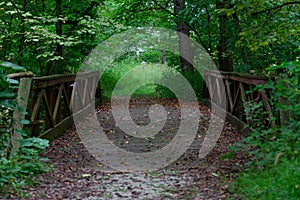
77 175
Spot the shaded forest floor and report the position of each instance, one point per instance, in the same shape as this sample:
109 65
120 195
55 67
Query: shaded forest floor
77 175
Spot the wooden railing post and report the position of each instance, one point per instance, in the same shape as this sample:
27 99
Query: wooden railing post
284 115
19 112
235 87
52 95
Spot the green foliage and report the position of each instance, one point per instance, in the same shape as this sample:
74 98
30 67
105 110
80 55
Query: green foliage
275 182
42 35
283 138
118 70
150 59
150 56
18 169
273 171
194 78
7 95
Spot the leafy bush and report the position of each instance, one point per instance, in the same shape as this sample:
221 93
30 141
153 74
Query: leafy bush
115 72
194 78
281 139
150 56
273 172
119 69
16 169
20 169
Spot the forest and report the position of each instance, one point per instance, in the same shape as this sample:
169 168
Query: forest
251 37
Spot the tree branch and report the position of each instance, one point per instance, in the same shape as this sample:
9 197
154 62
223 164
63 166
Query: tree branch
198 35
163 8
14 5
276 7
76 22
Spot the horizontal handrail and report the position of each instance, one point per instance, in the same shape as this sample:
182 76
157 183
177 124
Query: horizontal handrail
236 90
54 99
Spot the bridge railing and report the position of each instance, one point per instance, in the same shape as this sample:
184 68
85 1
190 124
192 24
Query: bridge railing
237 89
53 100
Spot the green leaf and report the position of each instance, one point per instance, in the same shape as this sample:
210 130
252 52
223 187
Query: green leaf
12 81
233 148
8 104
24 121
10 65
6 94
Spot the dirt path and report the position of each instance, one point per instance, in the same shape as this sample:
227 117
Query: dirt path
78 175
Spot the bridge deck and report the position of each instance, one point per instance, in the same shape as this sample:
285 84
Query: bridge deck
78 175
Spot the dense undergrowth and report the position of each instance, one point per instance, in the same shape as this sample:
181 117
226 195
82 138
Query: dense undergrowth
274 169
19 167
142 77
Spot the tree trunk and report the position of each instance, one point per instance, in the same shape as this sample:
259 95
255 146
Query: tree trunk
163 58
22 31
185 48
58 25
56 66
238 29
7 38
224 56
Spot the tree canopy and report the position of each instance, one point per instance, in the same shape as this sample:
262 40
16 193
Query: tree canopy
49 37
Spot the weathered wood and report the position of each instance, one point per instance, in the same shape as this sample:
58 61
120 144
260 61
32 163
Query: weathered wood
245 78
57 102
20 75
52 133
235 87
48 94
22 99
238 124
229 96
267 106
284 115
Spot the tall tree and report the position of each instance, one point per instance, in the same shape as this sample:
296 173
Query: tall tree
48 36
224 55
184 43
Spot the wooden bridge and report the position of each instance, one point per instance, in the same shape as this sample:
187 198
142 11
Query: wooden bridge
49 99
53 101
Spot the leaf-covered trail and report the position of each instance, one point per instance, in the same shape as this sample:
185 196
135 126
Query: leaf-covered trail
78 175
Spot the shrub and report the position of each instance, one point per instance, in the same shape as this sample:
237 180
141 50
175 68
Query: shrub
16 169
273 172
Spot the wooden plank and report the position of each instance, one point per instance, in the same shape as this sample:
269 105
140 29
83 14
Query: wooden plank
85 92
20 75
57 102
219 92
210 88
250 79
238 124
284 115
243 94
67 99
59 128
22 100
44 82
267 106
36 107
229 95
47 81
237 93
48 108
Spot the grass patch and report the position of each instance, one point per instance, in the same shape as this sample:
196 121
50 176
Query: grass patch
131 77
130 73
277 182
